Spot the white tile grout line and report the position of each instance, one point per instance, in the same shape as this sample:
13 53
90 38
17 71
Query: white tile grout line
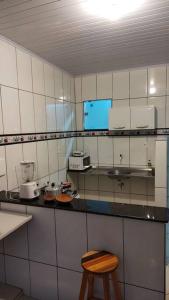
40 94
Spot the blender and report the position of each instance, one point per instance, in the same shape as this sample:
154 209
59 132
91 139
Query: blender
29 189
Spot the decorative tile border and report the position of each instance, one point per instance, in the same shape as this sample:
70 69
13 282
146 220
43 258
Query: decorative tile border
36 137
142 132
32 137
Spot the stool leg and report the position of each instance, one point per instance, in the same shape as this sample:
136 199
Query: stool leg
116 286
106 287
90 286
83 286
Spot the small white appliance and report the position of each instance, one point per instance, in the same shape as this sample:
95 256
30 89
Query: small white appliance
29 189
79 163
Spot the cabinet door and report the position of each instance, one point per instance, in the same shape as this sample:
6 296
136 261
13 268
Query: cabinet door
143 117
119 118
144 258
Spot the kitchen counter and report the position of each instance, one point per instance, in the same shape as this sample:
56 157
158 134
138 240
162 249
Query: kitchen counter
48 250
11 221
140 212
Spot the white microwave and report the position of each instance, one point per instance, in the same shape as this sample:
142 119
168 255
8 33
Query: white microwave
79 163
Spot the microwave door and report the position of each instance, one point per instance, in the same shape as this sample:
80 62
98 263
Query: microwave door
86 162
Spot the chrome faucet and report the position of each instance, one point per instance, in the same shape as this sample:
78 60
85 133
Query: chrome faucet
121 184
149 163
121 157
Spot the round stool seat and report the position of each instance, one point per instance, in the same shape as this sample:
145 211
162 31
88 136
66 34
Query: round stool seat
99 262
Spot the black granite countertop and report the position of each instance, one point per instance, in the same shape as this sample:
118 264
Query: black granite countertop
140 212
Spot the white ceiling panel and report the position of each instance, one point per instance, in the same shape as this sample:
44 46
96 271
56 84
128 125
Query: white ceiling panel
63 33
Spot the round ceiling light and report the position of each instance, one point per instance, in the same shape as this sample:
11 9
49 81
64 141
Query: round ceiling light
112 9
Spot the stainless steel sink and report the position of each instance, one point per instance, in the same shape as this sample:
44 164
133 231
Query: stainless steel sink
119 172
116 172
131 172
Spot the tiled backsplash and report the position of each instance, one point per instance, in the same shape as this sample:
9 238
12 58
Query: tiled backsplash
105 151
36 97
136 152
143 86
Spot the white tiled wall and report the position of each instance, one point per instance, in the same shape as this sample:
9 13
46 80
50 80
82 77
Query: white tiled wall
39 97
142 86
10 110
35 96
27 113
145 86
8 65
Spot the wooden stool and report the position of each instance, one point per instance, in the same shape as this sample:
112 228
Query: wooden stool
103 264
